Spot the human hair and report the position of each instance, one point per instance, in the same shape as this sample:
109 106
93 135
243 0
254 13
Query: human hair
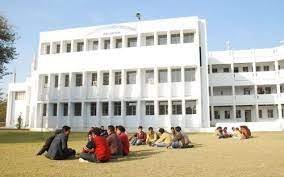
150 128
140 127
225 128
172 128
178 128
121 128
66 128
111 128
102 127
161 130
96 131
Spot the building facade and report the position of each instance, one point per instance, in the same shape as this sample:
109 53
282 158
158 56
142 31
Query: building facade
149 73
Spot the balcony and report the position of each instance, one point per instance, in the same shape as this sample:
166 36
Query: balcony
265 77
245 99
221 100
221 79
244 78
266 98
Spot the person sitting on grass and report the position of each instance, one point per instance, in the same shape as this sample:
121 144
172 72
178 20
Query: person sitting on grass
225 133
238 134
245 131
48 142
180 140
114 142
164 140
139 138
219 132
96 150
173 132
103 131
152 136
124 139
58 149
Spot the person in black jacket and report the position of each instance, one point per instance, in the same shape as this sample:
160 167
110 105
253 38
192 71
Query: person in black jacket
58 149
48 142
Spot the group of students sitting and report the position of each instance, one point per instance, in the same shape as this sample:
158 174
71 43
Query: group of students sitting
175 139
240 133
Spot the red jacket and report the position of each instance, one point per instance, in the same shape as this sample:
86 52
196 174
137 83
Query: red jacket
125 143
102 150
141 136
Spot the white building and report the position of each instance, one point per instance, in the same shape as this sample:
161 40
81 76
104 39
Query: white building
149 73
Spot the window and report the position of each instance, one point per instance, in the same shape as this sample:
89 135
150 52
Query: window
245 69
132 42
149 108
80 46
65 109
105 78
66 80
77 109
216 114
246 91
227 114
260 90
44 110
48 49
118 43
176 75
19 95
267 90
95 45
190 107
45 81
163 108
117 78
258 68
56 81
163 76
270 113
214 70
94 79
189 74
162 39
175 38
130 108
57 48
68 47
93 109
238 114
265 68
131 77
105 109
236 69
79 80
149 76
176 108
149 40
188 37
107 44
226 70
117 108
54 111
260 113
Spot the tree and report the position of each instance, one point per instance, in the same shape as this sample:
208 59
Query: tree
7 45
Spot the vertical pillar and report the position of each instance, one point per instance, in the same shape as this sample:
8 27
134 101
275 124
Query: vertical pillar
181 36
123 112
155 38
112 42
138 39
124 41
61 46
58 114
168 37
72 46
139 90
256 112
98 96
85 45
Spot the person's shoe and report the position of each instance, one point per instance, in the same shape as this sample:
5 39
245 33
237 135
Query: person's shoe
83 161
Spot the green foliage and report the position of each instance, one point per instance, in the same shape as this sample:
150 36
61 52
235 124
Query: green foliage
3 107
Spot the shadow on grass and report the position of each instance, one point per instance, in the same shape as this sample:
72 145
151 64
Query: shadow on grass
138 155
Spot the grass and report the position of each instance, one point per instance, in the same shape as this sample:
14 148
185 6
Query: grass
259 156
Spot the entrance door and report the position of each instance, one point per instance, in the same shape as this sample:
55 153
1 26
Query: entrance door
248 115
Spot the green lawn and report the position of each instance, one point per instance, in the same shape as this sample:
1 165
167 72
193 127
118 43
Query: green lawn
260 156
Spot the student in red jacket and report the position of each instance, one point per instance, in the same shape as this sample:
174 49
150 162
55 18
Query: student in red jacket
97 149
124 140
139 138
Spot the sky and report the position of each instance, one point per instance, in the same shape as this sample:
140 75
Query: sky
245 23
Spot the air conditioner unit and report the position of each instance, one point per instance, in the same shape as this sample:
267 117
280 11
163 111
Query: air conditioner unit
94 83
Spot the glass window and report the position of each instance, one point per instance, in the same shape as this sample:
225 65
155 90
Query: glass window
56 81
149 108
227 114
44 109
226 70
176 108
94 79
149 40
80 46
77 109
105 78
162 39
93 109
175 38
190 107
130 108
66 80
189 74
260 113
19 95
265 68
117 78
132 42
68 47
118 43
258 68
79 80
95 45
107 44
176 75
163 76
216 115
48 49
54 111
131 77
214 70
117 108
245 69
105 109
238 114
57 48
65 109
163 108
267 90
246 91
188 37
149 76
236 69
270 113
45 81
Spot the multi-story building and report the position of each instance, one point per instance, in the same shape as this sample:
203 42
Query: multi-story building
149 73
